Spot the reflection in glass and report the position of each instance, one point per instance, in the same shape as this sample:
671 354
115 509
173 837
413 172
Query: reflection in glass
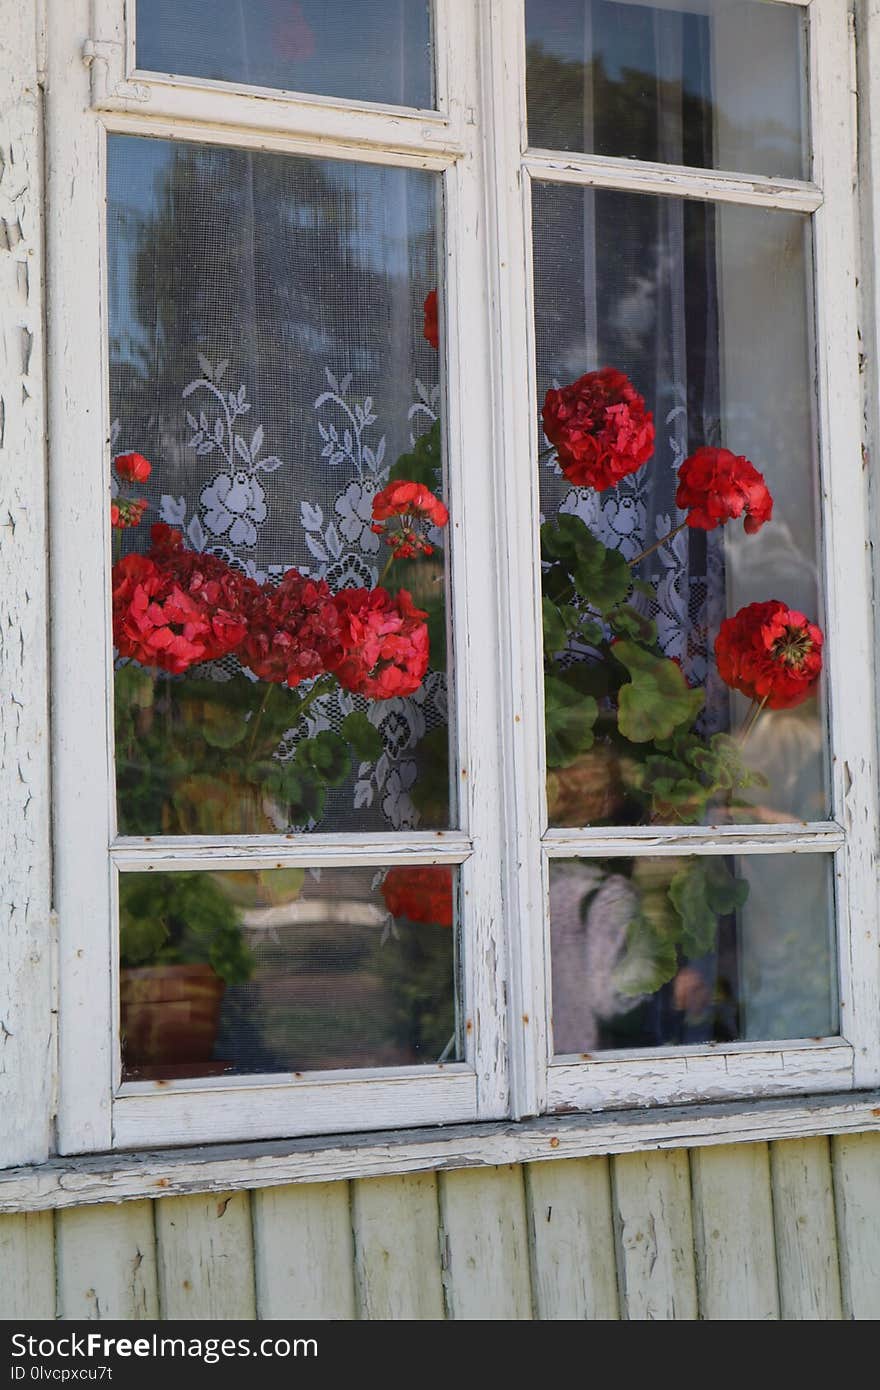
281 638
717 85
671 951
365 50
287 970
704 310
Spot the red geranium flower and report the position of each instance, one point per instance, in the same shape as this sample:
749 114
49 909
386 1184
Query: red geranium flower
127 512
771 653
422 893
385 643
417 508
154 621
225 595
431 329
600 428
716 485
134 468
293 631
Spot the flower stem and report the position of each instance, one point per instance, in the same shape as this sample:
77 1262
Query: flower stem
657 544
387 570
270 686
323 685
752 719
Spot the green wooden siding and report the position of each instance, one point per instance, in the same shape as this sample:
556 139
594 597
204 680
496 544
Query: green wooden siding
787 1230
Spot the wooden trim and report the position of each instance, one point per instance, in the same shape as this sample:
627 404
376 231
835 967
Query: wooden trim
64 1183
188 1114
27 1021
80 558
117 86
850 651
286 851
818 838
679 1076
674 180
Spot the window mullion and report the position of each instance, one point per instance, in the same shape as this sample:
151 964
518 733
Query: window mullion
518 558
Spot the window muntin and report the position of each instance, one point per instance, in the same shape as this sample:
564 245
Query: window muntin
675 951
287 970
269 357
361 50
705 308
716 85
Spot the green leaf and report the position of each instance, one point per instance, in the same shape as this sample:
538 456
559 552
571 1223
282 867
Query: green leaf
430 790
657 699
555 630
222 727
326 755
569 720
424 462
701 893
364 737
600 576
627 621
648 959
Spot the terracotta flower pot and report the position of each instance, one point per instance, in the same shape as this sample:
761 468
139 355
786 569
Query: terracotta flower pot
170 1013
586 791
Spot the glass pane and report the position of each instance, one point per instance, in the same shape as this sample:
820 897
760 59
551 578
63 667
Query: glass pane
672 951
281 636
683 642
718 84
365 50
287 970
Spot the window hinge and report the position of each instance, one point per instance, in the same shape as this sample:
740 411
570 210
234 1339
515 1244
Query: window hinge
105 60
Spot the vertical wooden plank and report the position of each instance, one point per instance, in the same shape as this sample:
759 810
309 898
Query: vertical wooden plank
733 1226
27 1041
304 1252
27 1267
485 1244
571 1228
397 1247
654 1231
856 1165
206 1257
806 1238
107 1263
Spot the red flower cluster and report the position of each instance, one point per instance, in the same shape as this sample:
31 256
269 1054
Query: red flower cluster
422 893
385 643
127 512
293 631
770 653
154 621
174 607
715 485
417 509
600 428
431 329
133 468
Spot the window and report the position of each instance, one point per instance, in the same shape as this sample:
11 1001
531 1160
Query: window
578 276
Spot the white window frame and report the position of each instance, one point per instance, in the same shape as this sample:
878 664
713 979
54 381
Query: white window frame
476 141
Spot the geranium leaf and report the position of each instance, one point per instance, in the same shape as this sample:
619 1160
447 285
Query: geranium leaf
364 738
648 959
657 699
569 719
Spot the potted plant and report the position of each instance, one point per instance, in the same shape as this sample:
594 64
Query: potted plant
180 944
